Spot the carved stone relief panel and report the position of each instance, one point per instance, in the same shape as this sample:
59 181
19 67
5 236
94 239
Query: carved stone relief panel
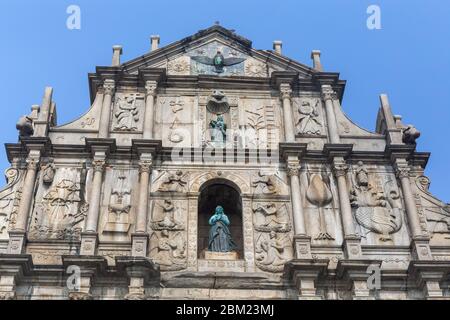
180 66
118 203
259 123
216 58
170 181
128 112
60 207
309 118
268 182
174 120
9 201
321 202
255 68
273 239
168 241
377 205
192 234
434 215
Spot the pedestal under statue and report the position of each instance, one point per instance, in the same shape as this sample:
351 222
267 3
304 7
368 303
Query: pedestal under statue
220 244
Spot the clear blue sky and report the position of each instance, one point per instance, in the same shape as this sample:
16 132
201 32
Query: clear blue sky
409 58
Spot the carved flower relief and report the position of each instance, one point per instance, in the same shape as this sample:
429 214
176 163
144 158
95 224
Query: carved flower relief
255 69
178 67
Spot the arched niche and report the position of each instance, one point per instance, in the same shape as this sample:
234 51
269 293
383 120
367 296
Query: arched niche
227 194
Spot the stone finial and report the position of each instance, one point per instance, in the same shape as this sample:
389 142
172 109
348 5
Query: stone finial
315 56
277 46
155 39
117 52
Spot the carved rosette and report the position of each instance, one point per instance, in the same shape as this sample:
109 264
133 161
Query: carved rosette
150 87
285 91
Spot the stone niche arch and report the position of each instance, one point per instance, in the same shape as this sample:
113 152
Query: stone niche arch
226 193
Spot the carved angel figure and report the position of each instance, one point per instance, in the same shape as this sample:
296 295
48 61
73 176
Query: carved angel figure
308 123
167 220
173 182
127 115
270 218
264 183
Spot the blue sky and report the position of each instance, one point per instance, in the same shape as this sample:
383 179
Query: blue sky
409 58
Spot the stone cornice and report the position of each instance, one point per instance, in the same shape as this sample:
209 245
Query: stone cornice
99 144
337 150
140 146
292 149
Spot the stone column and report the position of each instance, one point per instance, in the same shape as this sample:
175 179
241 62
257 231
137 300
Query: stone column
140 237
340 172
105 118
302 242
411 210
151 87
352 243
420 241
293 167
17 236
94 202
89 236
285 93
328 95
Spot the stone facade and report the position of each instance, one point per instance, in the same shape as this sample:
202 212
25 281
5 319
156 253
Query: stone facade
113 204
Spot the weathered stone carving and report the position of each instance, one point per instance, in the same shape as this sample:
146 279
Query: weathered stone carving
25 126
308 122
48 172
218 61
319 194
173 182
218 103
119 209
373 210
126 114
178 67
270 217
410 135
75 295
164 216
255 69
168 249
272 251
9 201
264 183
60 213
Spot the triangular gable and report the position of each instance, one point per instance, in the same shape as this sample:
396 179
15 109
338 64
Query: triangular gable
179 57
